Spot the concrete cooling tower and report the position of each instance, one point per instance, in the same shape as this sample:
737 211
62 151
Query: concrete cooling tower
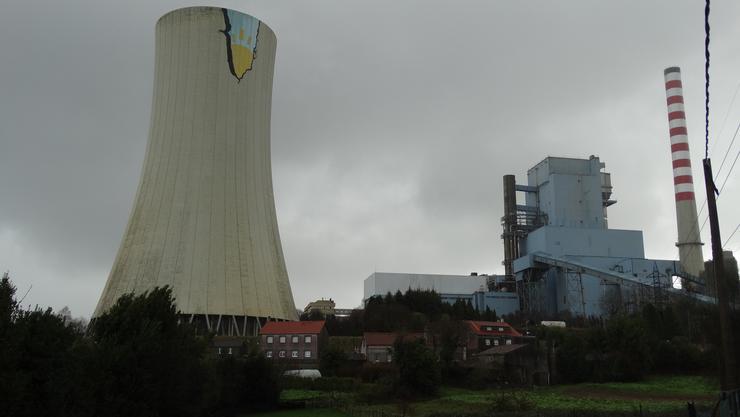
203 221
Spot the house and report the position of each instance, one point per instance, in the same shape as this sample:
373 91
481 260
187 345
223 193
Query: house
324 307
483 335
229 345
377 347
298 343
517 363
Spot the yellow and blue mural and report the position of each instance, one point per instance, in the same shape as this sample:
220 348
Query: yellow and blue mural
241 41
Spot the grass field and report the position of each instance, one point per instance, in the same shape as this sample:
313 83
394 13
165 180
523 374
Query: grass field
661 393
656 394
316 412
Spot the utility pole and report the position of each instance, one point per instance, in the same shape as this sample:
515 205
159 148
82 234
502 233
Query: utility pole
729 371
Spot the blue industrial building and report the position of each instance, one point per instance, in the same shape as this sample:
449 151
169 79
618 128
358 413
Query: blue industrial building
562 255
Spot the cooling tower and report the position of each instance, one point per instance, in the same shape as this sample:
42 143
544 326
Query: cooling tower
203 220
689 243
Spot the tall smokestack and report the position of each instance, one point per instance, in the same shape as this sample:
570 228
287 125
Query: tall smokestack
689 243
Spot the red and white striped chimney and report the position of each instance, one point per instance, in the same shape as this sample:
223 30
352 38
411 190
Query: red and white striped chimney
689 242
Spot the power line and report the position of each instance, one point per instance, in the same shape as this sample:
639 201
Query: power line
727 152
728 174
727 114
731 235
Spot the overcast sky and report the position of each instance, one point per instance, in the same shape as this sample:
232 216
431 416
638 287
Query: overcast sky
392 125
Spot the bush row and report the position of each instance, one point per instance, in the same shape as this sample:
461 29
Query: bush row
338 384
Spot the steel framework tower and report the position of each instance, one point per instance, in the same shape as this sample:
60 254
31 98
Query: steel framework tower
203 221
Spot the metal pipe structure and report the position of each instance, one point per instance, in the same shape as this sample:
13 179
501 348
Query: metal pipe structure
203 220
689 242
511 244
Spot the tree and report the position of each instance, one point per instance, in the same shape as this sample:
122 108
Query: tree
571 356
38 354
260 390
447 336
417 368
149 363
626 338
8 305
313 315
332 358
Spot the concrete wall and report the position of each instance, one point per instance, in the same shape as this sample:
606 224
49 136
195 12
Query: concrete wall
203 221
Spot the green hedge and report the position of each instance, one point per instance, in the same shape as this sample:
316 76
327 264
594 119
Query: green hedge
319 384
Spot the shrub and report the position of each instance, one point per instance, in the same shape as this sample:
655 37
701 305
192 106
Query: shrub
319 384
372 372
511 401
418 370
331 360
149 363
385 389
260 389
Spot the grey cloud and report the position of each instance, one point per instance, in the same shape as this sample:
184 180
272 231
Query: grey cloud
393 123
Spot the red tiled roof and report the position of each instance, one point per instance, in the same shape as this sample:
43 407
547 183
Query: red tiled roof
387 339
479 328
292 327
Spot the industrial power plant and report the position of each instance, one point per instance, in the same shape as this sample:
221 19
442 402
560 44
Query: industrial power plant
560 256
203 221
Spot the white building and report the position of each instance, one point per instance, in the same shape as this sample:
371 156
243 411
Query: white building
472 288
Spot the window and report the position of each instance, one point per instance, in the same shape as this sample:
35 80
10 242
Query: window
488 342
282 339
495 342
294 340
501 329
269 340
307 339
489 328
219 351
508 341
307 354
281 354
268 354
294 354
230 352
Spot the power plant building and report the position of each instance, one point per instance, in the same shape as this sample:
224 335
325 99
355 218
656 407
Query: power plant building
203 220
562 254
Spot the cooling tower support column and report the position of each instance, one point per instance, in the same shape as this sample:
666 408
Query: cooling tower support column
689 242
203 220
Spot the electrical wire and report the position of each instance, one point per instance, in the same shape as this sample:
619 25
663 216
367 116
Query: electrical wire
731 235
727 152
727 115
728 174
